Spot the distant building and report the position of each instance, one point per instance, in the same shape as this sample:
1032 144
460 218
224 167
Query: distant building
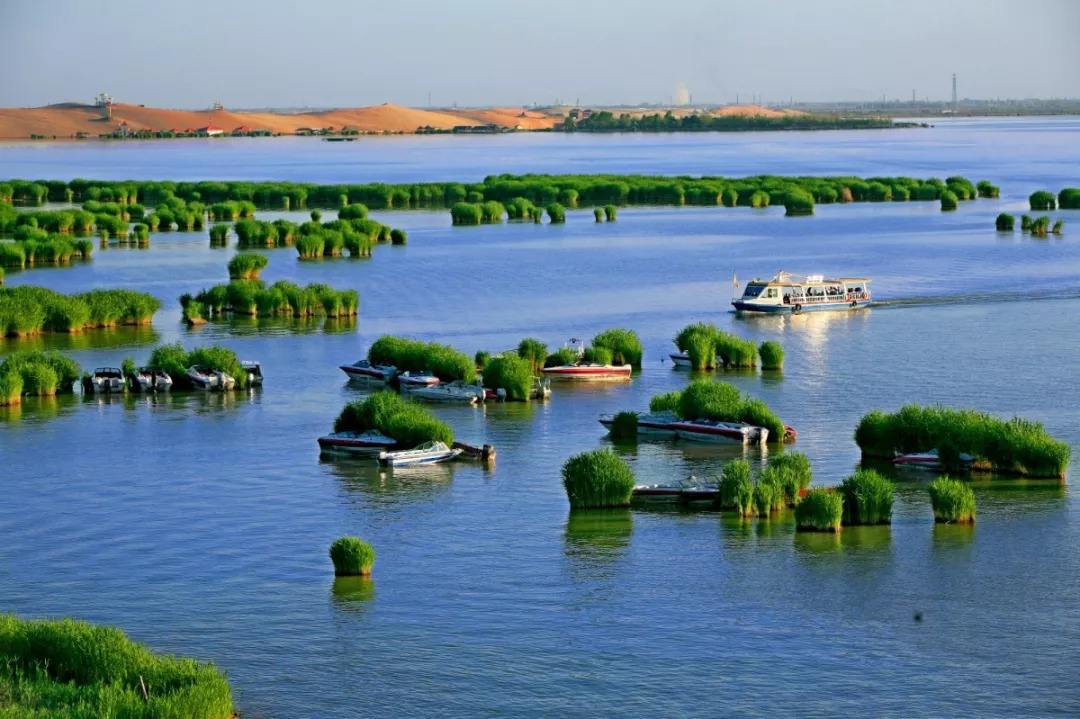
488 129
124 129
209 131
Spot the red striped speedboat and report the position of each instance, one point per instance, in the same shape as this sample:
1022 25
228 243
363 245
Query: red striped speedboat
707 430
366 443
364 370
589 372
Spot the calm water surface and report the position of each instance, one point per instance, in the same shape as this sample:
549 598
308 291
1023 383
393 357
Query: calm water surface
200 524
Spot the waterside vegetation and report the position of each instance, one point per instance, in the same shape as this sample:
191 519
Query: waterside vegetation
597 479
406 422
29 310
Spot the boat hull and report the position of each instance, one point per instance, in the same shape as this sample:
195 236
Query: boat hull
396 459
680 360
368 374
741 306
589 373
357 445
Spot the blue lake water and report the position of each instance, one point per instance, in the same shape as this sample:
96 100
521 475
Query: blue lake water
200 524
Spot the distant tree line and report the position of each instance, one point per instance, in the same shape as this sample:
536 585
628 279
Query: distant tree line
606 121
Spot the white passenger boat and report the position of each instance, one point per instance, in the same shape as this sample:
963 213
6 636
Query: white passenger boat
451 392
208 379
589 372
792 294
363 444
427 453
707 430
254 372
153 379
417 379
364 370
652 424
108 380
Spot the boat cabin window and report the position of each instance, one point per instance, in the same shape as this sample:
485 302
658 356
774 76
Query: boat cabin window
771 292
753 290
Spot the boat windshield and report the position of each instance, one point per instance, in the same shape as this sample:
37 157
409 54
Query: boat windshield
753 290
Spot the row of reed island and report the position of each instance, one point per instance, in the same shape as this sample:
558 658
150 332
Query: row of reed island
707 347
29 310
67 668
570 191
1036 226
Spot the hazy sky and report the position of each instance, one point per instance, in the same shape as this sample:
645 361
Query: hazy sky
481 52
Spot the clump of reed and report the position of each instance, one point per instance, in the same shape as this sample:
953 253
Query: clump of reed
821 510
597 355
36 373
624 426
772 355
398 237
985 189
952 501
705 343
30 310
219 235
352 557
1069 198
610 212
1042 200
510 373
246 266
404 421
281 299
1059 227
1005 222
768 494
736 488
175 361
793 472
560 357
556 213
868 498
1014 446
412 355
597 479
624 345
799 202
948 200
67 668
519 208
598 214
1025 223
533 351
705 399
481 358
466 213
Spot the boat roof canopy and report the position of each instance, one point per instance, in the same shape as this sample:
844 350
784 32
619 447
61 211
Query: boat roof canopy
786 279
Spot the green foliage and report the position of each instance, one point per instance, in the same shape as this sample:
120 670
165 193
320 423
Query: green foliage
667 402
281 299
66 668
772 355
11 388
39 374
624 426
624 345
534 352
511 373
1069 198
246 266
948 201
705 399
1015 446
560 357
1025 223
610 211
353 212
1042 200
398 237
793 471
466 213
736 487
798 202
406 422
411 355
598 214
820 510
952 500
985 189
556 213
597 479
705 343
597 355
868 498
1059 227
352 557
29 310
1005 222
768 496
481 358
175 361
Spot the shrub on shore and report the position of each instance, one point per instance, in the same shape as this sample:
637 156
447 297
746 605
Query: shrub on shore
1014 446
68 668
246 266
1005 222
404 421
868 498
736 488
481 358
414 356
597 479
772 355
624 345
1042 200
952 500
511 373
820 510
352 557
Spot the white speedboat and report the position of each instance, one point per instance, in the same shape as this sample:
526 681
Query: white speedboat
364 444
684 491
927 460
366 371
108 380
254 372
208 379
680 359
786 293
427 453
153 379
451 392
653 424
417 379
589 372
707 430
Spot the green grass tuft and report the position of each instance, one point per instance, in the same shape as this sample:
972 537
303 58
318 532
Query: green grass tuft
511 373
411 355
952 500
246 266
772 355
624 426
386 412
820 510
624 345
352 557
597 479
868 498
737 488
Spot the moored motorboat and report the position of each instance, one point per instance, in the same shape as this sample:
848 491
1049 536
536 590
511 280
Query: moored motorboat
254 373
366 371
108 380
930 460
153 379
363 444
651 424
427 453
456 392
683 491
589 372
707 430
208 379
417 379
786 293
680 359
